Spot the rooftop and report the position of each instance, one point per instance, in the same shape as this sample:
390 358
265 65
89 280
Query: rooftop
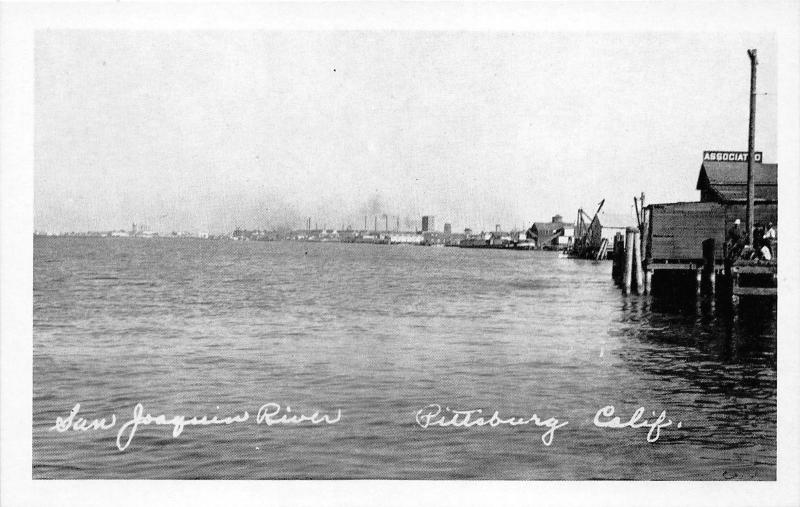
735 173
728 180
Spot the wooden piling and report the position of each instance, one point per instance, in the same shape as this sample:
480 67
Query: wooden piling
629 235
698 281
619 257
709 263
637 262
648 281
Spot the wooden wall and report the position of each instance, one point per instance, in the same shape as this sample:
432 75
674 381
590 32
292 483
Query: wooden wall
676 231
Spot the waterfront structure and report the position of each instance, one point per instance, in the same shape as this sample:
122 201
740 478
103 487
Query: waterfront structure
474 241
592 238
454 239
448 229
546 234
434 238
676 232
692 236
565 240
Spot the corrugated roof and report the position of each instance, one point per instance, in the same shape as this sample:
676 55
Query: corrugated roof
735 173
549 226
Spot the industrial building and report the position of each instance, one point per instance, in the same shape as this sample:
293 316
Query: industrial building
554 234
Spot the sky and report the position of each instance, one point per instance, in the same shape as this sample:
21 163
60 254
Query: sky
208 131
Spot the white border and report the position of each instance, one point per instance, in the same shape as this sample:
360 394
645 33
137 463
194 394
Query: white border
17 25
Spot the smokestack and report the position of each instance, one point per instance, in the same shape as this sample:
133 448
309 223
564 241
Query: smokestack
387 222
365 222
376 224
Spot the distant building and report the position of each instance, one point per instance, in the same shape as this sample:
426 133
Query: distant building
551 234
499 238
448 229
434 238
454 239
427 223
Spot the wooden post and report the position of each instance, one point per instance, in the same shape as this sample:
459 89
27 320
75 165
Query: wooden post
734 296
698 280
629 235
709 262
637 262
619 257
648 281
645 233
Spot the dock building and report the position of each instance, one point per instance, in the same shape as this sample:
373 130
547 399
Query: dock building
691 236
676 232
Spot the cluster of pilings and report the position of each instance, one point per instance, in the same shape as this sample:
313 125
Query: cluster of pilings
634 274
628 269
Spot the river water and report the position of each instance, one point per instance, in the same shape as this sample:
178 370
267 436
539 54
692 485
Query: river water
194 327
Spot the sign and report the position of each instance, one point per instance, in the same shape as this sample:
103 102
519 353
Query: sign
730 156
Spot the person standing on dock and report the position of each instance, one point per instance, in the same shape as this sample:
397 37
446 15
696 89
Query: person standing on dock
769 237
735 240
758 236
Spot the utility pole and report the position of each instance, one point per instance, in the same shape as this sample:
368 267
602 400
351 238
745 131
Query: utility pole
751 139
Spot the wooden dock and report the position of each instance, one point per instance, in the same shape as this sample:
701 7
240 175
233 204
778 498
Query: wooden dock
754 278
688 239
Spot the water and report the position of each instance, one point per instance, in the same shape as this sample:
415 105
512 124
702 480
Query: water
218 327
